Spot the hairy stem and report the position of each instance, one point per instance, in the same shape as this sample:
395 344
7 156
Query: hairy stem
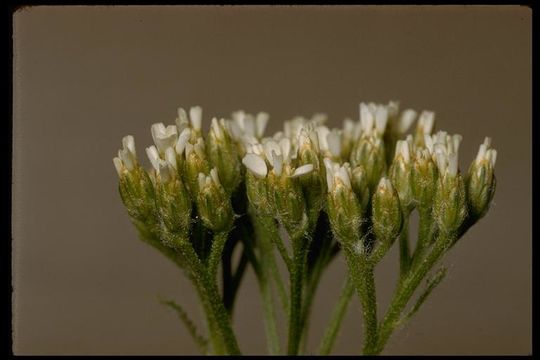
361 271
295 308
404 252
406 289
264 277
424 236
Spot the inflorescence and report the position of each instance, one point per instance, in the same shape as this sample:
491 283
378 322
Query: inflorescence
348 190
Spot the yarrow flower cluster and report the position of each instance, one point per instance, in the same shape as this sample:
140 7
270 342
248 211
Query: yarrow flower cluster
348 190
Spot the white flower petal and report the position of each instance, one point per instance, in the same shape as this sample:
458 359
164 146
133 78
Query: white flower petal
426 121
261 121
343 175
492 157
170 157
285 146
195 115
128 142
456 140
381 118
235 130
277 163
334 142
348 127
452 164
270 146
366 118
302 170
255 164
182 120
153 156
182 141
441 162
405 121
216 128
428 140
322 132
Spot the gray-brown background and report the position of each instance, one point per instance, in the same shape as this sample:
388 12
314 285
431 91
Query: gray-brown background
86 76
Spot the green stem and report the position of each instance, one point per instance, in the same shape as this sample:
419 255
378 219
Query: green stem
315 273
282 292
361 271
271 229
424 236
338 314
404 252
295 308
264 277
218 244
309 294
212 302
406 290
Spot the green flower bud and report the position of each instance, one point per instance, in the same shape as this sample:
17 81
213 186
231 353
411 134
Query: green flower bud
449 203
361 188
481 182
196 162
213 203
172 199
369 153
344 210
400 174
288 199
312 182
423 179
257 194
223 154
135 187
386 212
138 195
174 206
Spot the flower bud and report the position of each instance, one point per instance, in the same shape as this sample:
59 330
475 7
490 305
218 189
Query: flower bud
135 187
369 153
223 154
423 179
213 203
343 208
360 186
172 199
196 162
287 197
257 194
449 203
424 127
400 173
386 212
310 173
481 182
174 206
